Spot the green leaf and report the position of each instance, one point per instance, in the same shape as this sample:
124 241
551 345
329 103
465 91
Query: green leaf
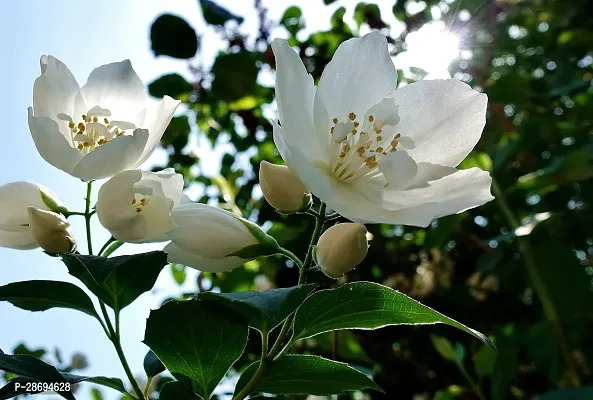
217 15
366 305
172 36
178 273
484 361
43 295
291 20
96 394
30 367
444 347
585 393
176 391
313 375
508 340
263 310
118 281
173 85
235 76
195 342
152 365
177 133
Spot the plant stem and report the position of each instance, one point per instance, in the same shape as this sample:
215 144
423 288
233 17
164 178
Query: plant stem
475 387
147 386
87 217
266 359
70 213
107 243
259 373
335 345
539 285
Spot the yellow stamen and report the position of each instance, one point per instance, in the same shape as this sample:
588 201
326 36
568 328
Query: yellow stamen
352 116
335 120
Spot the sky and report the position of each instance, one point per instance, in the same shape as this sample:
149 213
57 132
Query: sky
85 35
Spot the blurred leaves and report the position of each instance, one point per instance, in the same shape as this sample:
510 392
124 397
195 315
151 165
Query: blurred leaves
217 15
172 36
173 85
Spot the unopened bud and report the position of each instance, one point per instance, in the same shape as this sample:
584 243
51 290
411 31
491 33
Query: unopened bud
283 189
341 248
51 231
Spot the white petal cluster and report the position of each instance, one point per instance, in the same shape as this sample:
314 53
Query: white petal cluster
100 129
372 152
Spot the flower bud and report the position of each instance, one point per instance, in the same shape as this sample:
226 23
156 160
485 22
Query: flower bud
341 248
283 189
15 197
214 240
51 231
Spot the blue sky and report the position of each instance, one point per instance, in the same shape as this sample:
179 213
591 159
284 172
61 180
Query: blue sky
84 35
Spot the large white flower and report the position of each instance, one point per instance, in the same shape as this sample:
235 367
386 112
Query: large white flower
211 240
96 131
15 198
371 152
135 205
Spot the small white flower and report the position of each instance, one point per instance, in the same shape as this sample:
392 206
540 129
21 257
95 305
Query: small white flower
51 231
96 131
371 152
212 240
135 206
15 198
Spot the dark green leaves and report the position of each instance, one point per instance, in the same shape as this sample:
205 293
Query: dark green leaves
118 281
173 85
366 305
585 393
195 342
176 391
152 365
43 295
263 310
235 76
307 375
29 368
217 15
172 36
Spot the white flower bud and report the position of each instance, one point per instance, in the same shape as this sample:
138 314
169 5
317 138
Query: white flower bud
282 189
341 248
51 231
214 240
15 197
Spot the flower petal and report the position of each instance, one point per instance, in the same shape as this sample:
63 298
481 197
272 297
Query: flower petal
399 169
116 87
51 144
156 123
444 118
429 172
166 183
359 76
176 254
18 240
295 93
452 194
113 201
301 166
117 155
54 90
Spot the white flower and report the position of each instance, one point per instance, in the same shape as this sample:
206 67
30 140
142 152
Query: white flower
135 205
371 152
214 240
51 231
96 131
341 248
15 197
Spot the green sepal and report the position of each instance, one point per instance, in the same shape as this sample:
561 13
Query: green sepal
52 204
258 233
254 251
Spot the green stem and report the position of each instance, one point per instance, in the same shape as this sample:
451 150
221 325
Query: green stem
539 285
475 387
87 217
274 351
147 387
259 373
70 213
107 243
292 256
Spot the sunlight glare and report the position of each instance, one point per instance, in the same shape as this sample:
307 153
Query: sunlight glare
432 48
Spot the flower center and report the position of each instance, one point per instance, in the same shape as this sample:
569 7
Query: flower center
358 145
93 129
139 201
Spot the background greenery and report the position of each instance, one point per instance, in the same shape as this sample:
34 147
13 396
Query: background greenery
517 269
